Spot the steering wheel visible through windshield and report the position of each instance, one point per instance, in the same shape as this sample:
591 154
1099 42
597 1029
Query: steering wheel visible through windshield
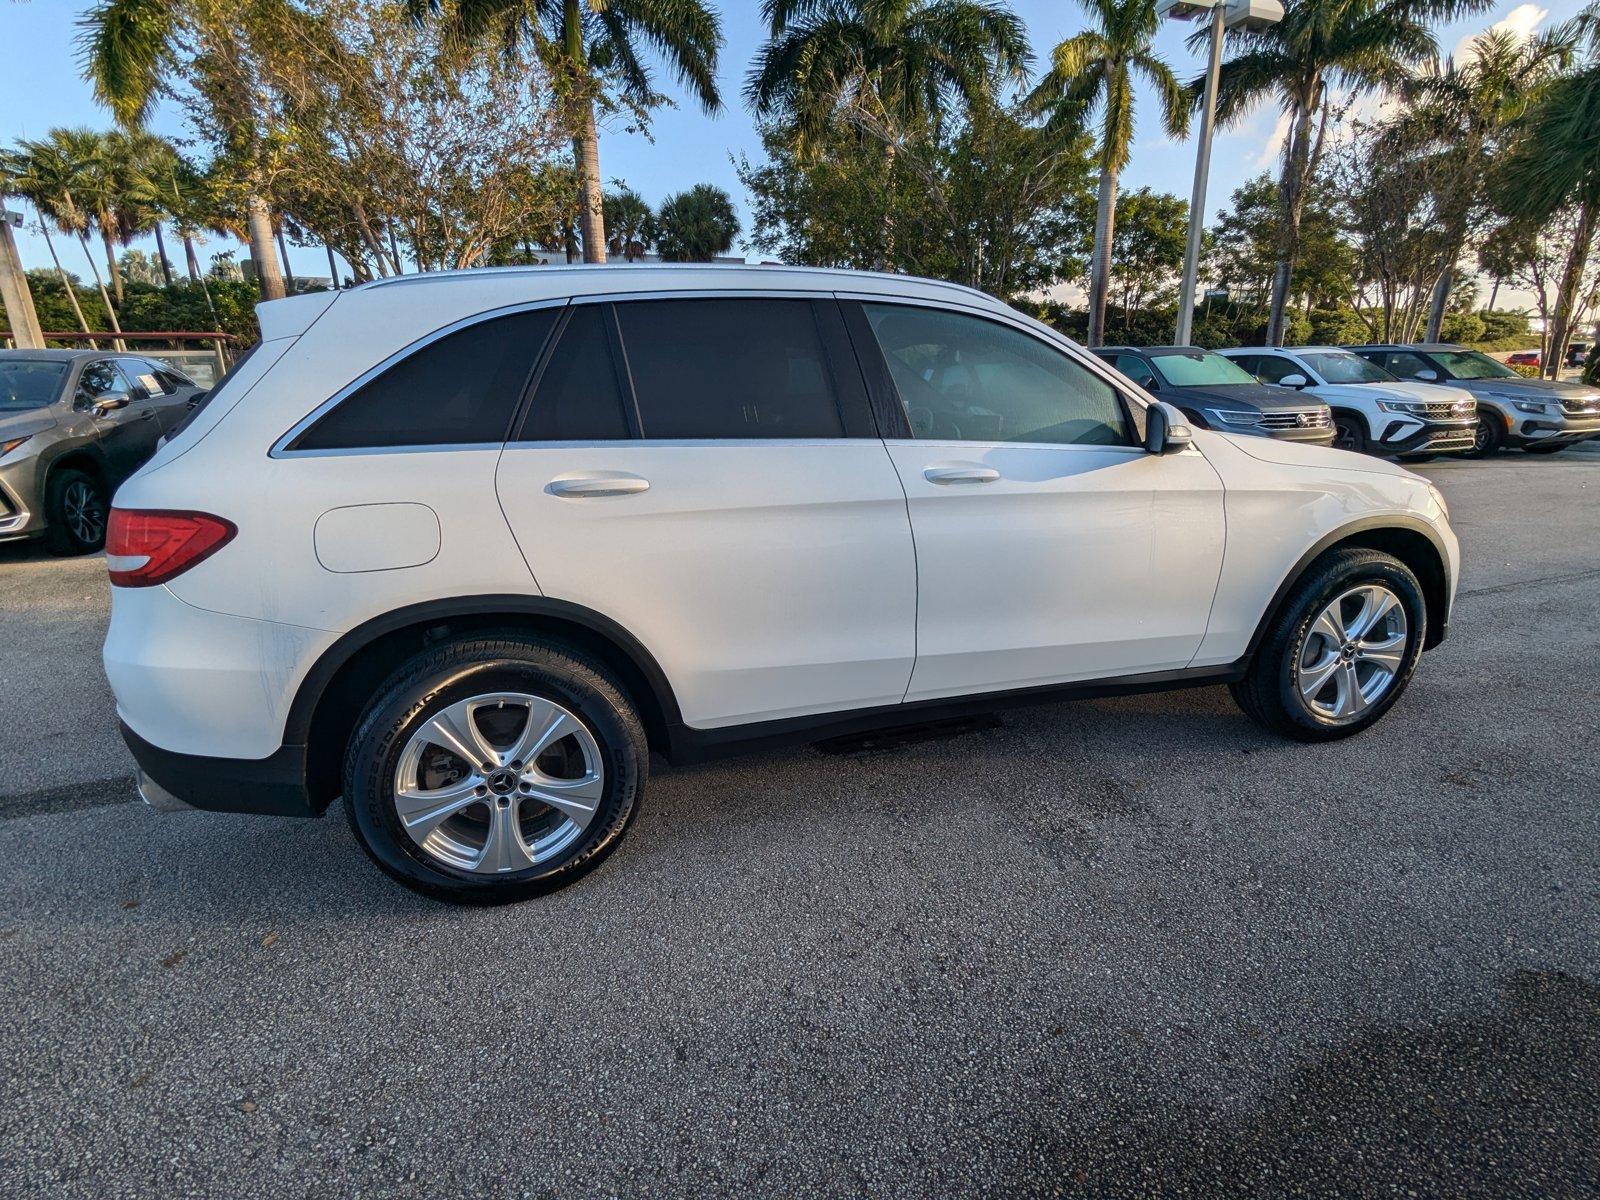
30 383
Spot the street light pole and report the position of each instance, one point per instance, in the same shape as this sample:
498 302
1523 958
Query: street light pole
14 290
1225 14
1202 170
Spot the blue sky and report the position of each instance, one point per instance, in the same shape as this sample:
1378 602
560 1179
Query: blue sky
40 88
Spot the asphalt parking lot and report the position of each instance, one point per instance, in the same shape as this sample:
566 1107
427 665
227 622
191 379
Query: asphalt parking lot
1122 947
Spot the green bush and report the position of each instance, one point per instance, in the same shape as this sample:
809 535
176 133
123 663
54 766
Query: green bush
149 308
1591 369
1463 327
1337 327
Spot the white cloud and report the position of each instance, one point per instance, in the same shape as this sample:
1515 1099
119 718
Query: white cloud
1272 149
1521 21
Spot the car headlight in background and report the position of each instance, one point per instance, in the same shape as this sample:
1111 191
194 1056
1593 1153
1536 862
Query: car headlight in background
1230 416
1537 407
6 447
1413 407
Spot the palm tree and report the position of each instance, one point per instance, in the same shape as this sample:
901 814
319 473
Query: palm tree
60 166
588 45
696 225
1097 67
1553 164
630 225
1357 45
899 61
29 176
1462 111
132 49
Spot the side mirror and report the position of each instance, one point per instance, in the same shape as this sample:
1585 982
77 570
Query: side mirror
195 399
110 402
1166 430
1150 385
1427 375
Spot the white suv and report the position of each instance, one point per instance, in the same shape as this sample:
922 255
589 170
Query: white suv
465 548
1373 411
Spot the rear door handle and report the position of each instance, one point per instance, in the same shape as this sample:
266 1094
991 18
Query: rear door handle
963 474
584 486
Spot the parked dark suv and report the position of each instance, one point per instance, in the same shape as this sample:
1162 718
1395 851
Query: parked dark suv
1218 394
74 424
1539 415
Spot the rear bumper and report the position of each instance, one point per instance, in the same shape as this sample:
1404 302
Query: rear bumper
273 786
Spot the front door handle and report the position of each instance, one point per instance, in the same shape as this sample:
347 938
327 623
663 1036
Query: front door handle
585 486
963 474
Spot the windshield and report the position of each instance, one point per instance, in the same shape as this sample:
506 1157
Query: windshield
29 383
1199 369
1473 364
1340 366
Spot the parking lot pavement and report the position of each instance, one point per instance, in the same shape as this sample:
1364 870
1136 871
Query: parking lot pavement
1123 947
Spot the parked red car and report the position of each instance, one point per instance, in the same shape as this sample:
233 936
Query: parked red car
1523 358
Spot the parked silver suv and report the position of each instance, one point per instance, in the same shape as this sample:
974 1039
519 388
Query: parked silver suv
74 424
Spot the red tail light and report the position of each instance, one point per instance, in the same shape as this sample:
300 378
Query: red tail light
147 547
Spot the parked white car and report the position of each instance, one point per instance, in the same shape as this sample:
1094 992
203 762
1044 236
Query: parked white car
465 548
1373 411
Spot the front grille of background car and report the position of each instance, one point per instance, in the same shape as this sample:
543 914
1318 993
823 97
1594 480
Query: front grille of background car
1445 410
1582 406
1454 439
1296 418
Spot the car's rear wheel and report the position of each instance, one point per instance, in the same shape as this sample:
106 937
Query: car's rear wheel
1340 651
494 769
75 512
1349 434
1487 436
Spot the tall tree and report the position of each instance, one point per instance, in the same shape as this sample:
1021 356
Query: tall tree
1357 45
696 225
1554 164
1462 111
220 50
630 225
1096 69
589 47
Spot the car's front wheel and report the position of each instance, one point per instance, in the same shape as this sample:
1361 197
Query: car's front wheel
75 512
493 769
1349 433
1487 436
1340 650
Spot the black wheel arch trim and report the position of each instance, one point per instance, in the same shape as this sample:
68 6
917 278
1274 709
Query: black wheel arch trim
1438 623
297 727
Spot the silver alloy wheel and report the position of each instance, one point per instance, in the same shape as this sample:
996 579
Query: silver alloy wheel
85 515
1352 653
499 782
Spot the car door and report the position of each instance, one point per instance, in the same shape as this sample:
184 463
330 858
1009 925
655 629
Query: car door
167 399
705 472
1050 545
128 433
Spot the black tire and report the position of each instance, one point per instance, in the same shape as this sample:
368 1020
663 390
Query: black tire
1269 693
452 671
75 512
1544 448
1349 433
1487 438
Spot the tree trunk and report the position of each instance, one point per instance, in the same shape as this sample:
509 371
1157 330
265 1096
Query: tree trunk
192 259
1494 293
259 222
161 255
333 266
1100 264
591 197
111 309
1441 299
1291 203
1567 294
111 264
394 252
16 295
72 292
283 254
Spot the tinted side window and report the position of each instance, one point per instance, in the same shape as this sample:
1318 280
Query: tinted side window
1272 368
99 378
1405 364
459 390
144 376
964 378
729 369
1135 369
579 398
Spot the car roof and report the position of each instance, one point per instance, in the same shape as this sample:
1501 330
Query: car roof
54 355
1423 346
1158 349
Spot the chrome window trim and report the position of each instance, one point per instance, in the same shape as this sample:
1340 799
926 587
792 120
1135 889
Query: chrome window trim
280 447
